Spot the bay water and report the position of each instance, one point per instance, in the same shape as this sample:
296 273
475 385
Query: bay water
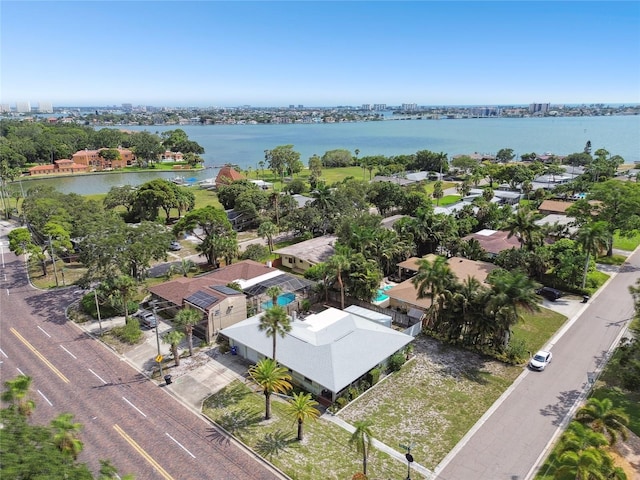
245 145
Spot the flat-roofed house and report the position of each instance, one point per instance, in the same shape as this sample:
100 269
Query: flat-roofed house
326 352
302 256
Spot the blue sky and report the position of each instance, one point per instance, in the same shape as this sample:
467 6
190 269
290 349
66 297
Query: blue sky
325 53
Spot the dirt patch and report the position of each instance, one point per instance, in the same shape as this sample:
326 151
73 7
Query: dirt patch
187 363
435 399
627 456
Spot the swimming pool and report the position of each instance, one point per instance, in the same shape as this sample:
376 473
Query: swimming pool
282 300
380 296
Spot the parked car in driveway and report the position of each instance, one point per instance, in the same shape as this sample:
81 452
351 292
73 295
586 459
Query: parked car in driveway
549 293
540 360
147 319
175 246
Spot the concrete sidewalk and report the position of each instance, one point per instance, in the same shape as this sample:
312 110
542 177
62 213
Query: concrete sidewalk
192 382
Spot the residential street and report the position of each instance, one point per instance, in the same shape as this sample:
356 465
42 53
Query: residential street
126 418
512 438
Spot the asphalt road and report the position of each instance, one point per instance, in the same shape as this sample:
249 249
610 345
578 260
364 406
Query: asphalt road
513 438
127 419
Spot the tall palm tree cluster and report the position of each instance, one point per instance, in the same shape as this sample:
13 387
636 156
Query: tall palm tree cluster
583 449
469 313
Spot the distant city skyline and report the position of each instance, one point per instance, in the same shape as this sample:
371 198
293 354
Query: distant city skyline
276 54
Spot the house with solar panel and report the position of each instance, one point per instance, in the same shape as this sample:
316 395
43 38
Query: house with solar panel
221 305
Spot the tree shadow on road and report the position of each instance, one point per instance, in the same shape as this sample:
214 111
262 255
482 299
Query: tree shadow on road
218 436
560 409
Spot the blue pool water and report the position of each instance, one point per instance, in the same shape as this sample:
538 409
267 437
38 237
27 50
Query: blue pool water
284 299
381 297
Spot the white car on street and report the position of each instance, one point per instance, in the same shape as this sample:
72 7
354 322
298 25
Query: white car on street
540 360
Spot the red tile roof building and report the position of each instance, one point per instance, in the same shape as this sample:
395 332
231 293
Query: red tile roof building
228 175
93 160
58 167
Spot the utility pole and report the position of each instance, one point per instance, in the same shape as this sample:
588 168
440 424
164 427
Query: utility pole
53 260
95 296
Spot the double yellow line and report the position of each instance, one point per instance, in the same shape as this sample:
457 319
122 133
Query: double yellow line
144 454
39 355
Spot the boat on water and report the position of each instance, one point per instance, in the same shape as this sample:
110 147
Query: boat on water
179 180
207 183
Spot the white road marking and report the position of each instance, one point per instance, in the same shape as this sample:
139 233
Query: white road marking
46 399
74 357
21 372
99 378
139 411
42 330
5 355
180 445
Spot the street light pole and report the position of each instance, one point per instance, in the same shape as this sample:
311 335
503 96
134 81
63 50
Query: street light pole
409 458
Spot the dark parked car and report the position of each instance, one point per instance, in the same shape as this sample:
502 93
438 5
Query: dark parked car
549 293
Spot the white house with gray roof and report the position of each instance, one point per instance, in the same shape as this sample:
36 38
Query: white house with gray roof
325 352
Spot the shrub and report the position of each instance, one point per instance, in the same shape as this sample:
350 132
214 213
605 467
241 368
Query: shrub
258 253
516 351
374 375
341 402
130 333
306 305
396 361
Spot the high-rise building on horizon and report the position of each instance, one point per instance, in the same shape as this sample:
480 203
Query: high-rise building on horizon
539 108
45 107
23 107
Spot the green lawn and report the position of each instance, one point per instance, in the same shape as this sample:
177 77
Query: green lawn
324 453
537 328
449 200
624 243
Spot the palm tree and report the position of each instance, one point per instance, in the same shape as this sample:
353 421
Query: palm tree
338 264
274 292
593 238
272 379
173 338
432 280
509 292
65 437
268 230
585 464
125 287
438 191
16 393
362 438
523 225
187 318
603 418
302 408
579 437
274 322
